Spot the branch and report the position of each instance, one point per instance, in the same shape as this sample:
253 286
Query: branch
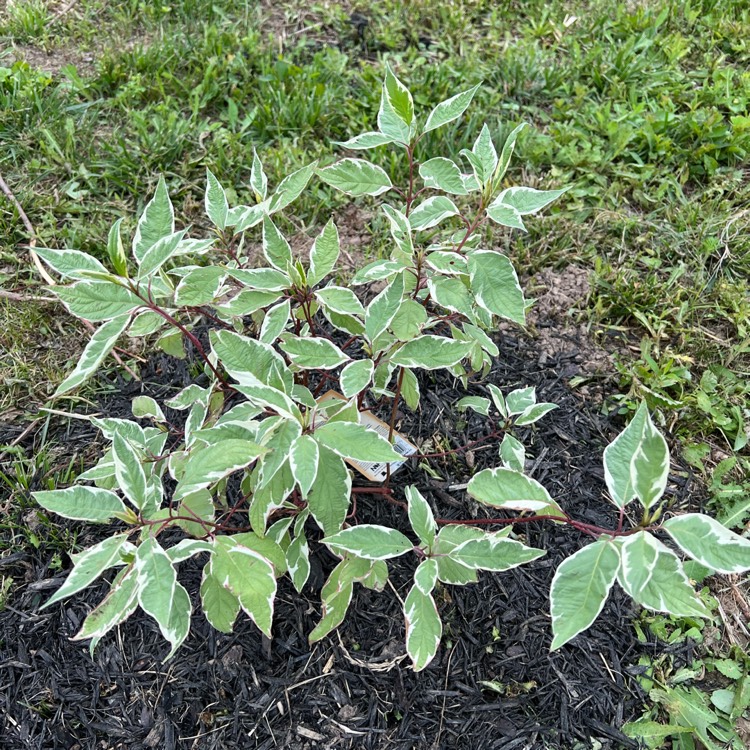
30 229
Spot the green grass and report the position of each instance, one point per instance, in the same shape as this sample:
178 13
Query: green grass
642 108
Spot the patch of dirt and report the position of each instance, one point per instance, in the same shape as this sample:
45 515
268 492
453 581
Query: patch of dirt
733 594
559 296
288 22
355 234
53 61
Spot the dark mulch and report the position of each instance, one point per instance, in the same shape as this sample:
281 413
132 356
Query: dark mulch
494 683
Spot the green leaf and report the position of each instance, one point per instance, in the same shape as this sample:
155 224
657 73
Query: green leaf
70 263
200 286
426 575
710 543
365 141
356 177
505 488
391 125
313 353
99 346
498 399
339 410
408 322
346 323
447 262
518 401
275 322
512 453
431 352
249 301
157 221
377 271
652 733
410 389
119 603
265 546
355 441
477 403
91 563
496 553
298 561
82 503
450 570
97 301
251 362
451 294
450 109
303 460
431 212
340 300
398 97
653 575
734 515
484 341
263 279
188 396
689 707
291 187
485 156
160 594
370 542
495 285
336 596
258 179
200 506
275 247
191 247
242 218
401 233
146 323
376 577
248 576
420 516
443 174
131 478
279 440
270 497
217 206
505 215
356 376
383 308
328 500
128 428
636 462
507 153
423 628
220 605
579 589
324 254
208 465
527 200
271 398
195 421
534 413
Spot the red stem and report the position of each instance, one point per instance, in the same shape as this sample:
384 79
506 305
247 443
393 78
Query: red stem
185 332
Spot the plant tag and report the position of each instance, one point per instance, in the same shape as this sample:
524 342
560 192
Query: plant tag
375 471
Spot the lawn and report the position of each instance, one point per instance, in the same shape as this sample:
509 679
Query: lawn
640 272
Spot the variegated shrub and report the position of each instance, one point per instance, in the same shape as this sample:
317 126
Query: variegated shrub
261 464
